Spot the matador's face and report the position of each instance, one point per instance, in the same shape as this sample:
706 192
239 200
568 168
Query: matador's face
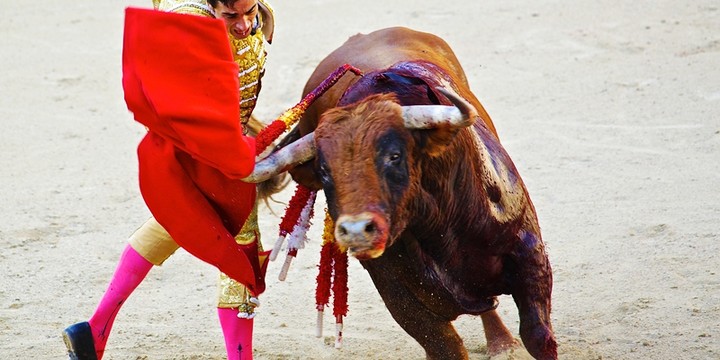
240 18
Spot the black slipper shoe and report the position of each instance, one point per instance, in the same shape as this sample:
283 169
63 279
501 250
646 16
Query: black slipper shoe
79 341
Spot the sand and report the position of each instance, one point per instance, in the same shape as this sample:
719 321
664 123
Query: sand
610 110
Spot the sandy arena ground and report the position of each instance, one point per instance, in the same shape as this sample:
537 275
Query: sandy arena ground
610 110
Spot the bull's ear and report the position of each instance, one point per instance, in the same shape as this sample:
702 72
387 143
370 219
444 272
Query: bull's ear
304 174
435 141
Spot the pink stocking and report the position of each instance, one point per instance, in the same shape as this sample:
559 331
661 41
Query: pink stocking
238 334
130 272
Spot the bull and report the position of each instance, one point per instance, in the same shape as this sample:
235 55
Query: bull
424 195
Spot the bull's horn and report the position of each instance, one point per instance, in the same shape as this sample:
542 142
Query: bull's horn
430 116
291 155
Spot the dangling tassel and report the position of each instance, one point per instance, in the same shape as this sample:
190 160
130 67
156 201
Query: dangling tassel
286 265
340 292
325 268
301 219
292 214
292 115
333 274
297 238
276 248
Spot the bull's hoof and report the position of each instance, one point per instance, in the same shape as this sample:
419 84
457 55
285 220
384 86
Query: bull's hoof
79 341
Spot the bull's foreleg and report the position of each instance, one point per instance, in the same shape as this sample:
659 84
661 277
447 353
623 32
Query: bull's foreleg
434 333
532 292
499 338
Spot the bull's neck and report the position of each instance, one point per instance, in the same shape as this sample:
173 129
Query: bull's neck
451 193
471 191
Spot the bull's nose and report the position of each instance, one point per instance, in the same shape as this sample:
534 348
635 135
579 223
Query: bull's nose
362 231
358 227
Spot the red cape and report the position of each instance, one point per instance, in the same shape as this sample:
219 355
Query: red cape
181 82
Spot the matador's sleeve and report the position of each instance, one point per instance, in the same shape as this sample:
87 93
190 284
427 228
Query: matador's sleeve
180 81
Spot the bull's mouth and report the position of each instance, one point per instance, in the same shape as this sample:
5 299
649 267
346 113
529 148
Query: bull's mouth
368 253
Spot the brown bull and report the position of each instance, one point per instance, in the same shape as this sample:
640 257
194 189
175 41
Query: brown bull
426 197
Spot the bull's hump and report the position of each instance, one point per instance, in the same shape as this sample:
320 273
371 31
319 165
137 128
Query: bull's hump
412 81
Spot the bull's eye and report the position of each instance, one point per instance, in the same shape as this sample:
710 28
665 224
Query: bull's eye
393 159
324 173
323 169
391 162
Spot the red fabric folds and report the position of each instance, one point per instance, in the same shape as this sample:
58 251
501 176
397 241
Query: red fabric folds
181 82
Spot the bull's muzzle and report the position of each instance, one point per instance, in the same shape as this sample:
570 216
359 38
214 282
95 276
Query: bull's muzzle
364 235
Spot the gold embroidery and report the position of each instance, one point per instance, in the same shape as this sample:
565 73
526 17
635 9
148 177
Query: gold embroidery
197 7
249 54
232 294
